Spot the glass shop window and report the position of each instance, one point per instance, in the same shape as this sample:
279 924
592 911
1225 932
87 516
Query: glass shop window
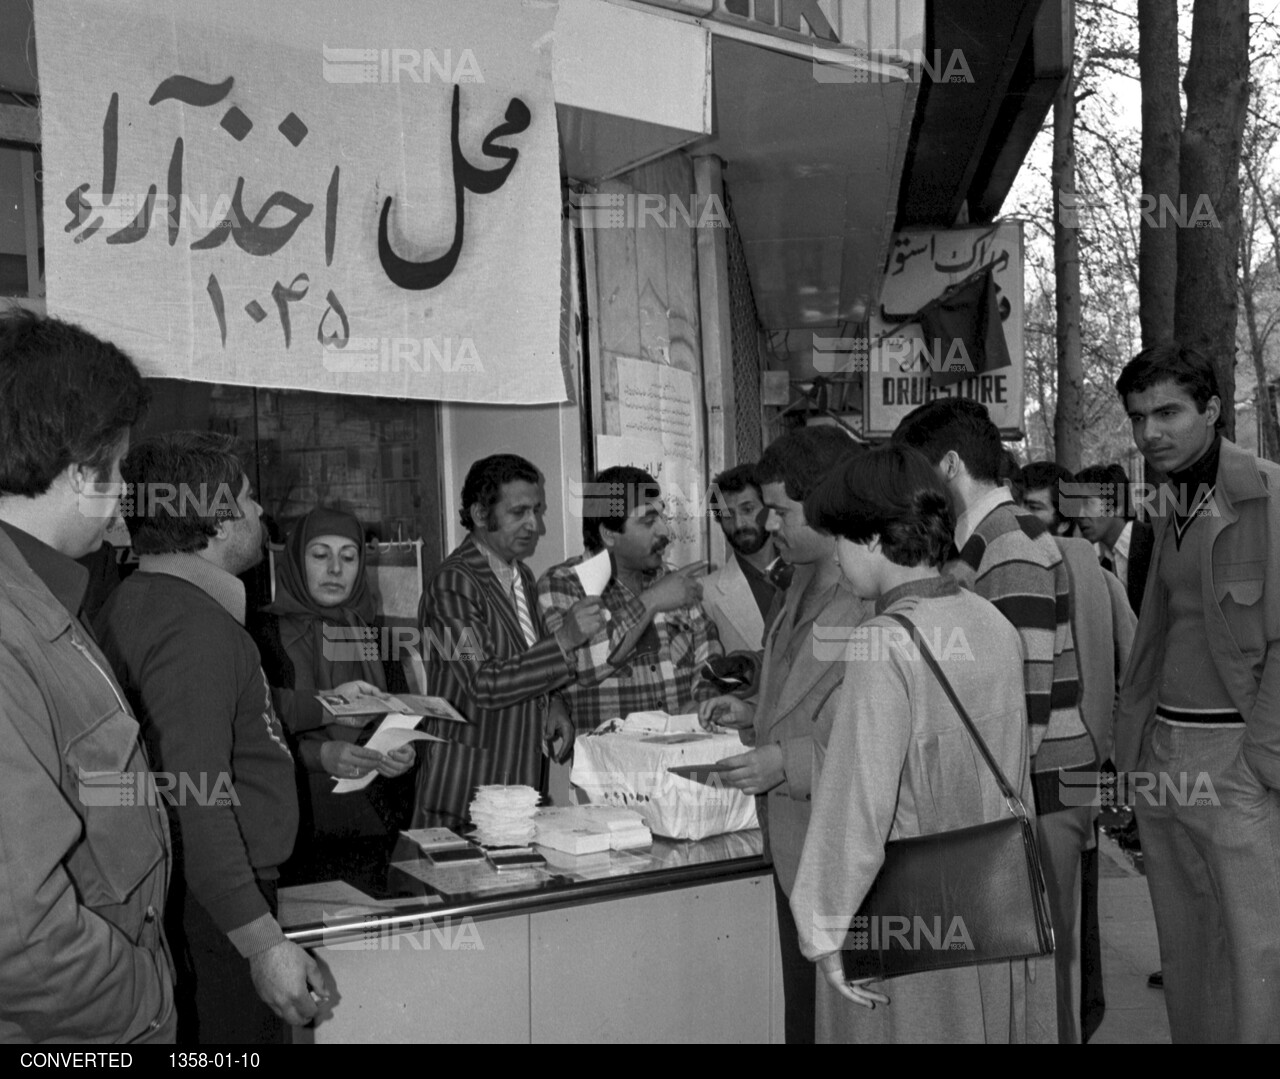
375 457
21 225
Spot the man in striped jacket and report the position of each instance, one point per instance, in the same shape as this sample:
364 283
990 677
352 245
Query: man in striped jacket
1007 556
488 652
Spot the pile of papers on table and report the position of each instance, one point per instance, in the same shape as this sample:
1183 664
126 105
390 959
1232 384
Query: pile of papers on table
503 816
589 829
628 762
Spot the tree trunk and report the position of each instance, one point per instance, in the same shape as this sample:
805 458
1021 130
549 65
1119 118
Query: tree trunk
1268 429
1161 131
1256 205
1068 416
1217 87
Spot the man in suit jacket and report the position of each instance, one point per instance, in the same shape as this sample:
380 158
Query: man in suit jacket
1199 710
487 651
1106 518
797 695
739 595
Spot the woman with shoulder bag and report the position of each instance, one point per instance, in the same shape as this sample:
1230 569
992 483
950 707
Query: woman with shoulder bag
901 762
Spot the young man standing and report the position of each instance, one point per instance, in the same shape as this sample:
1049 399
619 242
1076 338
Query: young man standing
85 862
796 701
174 632
1199 711
1008 557
738 596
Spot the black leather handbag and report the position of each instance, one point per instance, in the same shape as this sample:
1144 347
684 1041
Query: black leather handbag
954 899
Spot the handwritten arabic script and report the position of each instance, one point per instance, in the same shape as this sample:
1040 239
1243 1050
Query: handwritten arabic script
255 238
237 213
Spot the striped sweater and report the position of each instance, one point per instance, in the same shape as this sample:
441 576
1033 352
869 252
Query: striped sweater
1012 561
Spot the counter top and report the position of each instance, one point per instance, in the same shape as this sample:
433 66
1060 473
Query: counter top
412 892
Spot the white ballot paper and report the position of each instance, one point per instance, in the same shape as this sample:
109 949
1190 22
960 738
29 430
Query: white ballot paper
394 731
594 573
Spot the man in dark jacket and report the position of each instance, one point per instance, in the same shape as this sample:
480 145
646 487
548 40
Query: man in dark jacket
83 859
174 631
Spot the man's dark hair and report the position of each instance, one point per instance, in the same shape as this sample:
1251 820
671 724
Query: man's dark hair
893 492
66 398
485 480
732 481
1046 474
611 498
737 479
1112 483
800 458
181 485
955 423
1172 362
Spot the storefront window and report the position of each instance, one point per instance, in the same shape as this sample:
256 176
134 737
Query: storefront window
376 457
21 228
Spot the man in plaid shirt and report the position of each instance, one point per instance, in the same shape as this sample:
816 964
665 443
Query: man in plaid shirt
650 652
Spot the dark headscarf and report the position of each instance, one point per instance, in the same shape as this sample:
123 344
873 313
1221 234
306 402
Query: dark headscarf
301 617
292 595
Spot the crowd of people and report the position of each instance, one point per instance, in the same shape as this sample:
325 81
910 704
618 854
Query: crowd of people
1069 635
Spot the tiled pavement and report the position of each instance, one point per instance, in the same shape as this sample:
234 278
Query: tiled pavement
1135 1012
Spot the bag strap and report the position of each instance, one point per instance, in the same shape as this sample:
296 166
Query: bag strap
1006 788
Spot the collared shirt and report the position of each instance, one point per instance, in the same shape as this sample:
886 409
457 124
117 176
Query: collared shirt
509 577
61 575
211 579
1120 553
972 517
661 672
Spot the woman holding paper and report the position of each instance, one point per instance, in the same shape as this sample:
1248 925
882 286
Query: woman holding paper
312 641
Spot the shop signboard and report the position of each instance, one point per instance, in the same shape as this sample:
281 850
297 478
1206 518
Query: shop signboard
903 368
335 197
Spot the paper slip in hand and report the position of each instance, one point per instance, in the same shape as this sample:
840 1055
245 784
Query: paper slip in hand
393 732
594 573
405 703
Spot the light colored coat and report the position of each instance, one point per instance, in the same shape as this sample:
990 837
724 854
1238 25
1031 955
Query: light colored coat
729 602
1240 579
803 707
899 763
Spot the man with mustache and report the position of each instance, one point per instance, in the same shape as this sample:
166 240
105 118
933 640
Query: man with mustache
647 656
504 681
738 596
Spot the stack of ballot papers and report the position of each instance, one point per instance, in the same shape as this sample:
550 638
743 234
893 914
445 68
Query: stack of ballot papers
503 816
588 829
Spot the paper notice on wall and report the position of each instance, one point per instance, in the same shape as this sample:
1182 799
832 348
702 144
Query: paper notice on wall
661 432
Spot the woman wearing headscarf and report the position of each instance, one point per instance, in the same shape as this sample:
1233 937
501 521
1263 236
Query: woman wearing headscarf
900 762
321 585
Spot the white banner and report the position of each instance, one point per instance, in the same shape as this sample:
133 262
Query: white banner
352 198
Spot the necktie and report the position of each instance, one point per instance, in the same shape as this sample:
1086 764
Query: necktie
522 611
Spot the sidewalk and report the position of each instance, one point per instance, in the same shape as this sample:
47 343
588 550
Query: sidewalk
1135 1012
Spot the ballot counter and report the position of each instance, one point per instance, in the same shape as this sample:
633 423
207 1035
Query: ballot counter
672 943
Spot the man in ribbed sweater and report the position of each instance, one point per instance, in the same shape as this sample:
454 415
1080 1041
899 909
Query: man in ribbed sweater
1008 557
174 632
1198 722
